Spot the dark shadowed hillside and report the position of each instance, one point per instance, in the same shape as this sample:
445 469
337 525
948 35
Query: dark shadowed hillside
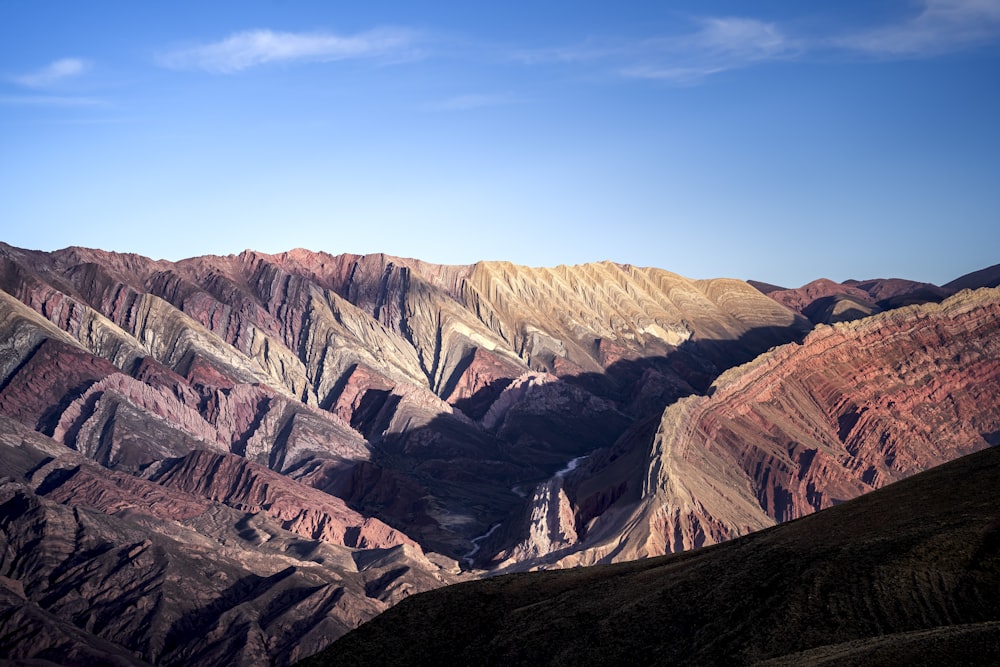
909 574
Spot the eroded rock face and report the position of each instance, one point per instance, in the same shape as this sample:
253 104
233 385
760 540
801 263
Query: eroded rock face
104 566
344 430
803 427
247 487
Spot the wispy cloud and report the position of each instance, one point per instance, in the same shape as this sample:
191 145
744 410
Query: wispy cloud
720 44
243 50
54 73
716 44
941 26
51 101
588 51
472 101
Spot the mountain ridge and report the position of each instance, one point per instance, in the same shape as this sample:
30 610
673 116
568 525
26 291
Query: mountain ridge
387 426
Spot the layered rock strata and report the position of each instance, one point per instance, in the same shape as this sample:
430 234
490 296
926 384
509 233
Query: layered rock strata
349 372
343 431
803 427
103 566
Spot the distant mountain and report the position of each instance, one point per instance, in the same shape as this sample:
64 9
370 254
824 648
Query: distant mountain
307 439
825 302
988 277
909 574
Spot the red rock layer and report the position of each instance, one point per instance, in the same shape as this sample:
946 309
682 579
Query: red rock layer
53 374
242 485
854 407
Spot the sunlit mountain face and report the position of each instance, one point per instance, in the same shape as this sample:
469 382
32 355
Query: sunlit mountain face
239 459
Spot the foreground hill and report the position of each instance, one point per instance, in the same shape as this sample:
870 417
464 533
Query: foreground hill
909 574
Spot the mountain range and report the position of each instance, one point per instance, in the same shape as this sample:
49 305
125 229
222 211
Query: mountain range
237 460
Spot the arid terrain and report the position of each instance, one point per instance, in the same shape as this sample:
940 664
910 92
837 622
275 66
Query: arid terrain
909 574
237 460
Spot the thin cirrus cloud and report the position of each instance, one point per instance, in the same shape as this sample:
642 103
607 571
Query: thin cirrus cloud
54 73
941 26
720 44
244 50
472 101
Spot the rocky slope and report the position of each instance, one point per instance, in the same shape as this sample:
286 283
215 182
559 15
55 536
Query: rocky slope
343 431
802 427
105 566
909 574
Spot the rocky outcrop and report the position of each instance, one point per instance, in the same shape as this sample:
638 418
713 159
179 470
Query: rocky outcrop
803 427
101 566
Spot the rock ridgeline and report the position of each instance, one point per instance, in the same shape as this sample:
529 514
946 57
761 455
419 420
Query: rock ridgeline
340 431
310 438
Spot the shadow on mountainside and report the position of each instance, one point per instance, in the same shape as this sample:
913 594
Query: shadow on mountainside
908 574
456 477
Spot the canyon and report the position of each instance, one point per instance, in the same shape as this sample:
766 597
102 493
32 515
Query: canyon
237 460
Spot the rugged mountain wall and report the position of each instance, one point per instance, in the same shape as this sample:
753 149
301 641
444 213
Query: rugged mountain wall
802 427
363 420
374 378
373 422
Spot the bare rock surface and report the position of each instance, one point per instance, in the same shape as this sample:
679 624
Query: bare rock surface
344 430
103 566
803 427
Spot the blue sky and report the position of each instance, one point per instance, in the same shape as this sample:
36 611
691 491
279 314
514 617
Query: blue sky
780 141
